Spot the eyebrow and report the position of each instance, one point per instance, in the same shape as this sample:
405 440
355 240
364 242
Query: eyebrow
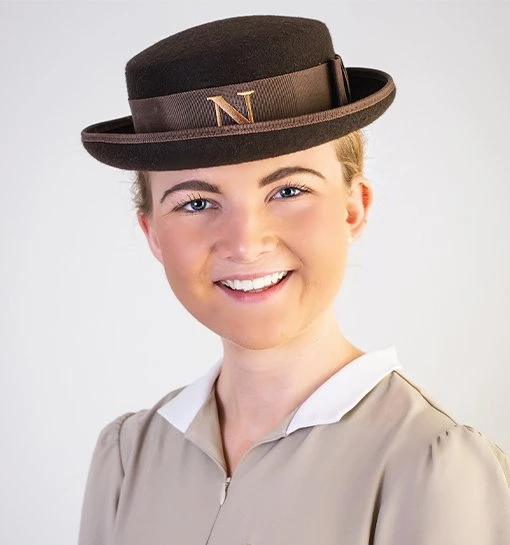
201 185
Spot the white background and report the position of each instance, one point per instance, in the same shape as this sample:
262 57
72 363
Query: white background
89 327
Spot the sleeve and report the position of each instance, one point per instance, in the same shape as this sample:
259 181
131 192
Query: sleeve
103 487
454 491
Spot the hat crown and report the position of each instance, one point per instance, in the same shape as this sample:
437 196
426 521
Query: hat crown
226 52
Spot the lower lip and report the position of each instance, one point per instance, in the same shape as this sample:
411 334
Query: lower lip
257 296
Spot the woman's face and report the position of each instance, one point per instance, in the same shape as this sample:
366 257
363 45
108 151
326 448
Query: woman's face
283 214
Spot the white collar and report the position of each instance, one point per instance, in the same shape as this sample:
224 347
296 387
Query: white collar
327 404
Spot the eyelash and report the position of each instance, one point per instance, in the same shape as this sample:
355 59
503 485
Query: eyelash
192 198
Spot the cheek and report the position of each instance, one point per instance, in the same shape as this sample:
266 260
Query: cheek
321 234
323 248
181 257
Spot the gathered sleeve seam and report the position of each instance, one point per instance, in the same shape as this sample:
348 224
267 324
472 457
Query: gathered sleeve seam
121 420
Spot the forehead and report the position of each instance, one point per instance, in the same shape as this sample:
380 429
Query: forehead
321 158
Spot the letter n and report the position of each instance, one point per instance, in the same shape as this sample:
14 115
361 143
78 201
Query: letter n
221 104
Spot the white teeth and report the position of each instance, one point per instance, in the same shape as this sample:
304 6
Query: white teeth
246 285
256 283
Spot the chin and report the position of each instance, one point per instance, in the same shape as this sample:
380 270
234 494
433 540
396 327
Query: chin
272 334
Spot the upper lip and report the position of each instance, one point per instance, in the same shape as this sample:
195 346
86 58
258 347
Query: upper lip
250 276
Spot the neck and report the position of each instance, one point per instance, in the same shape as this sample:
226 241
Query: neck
257 389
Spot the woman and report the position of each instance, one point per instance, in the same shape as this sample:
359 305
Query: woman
245 134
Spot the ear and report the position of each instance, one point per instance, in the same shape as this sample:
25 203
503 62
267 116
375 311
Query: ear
147 226
360 197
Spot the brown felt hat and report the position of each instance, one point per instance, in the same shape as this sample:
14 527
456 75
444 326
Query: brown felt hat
237 90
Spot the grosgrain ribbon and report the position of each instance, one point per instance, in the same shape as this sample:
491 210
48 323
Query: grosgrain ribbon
280 97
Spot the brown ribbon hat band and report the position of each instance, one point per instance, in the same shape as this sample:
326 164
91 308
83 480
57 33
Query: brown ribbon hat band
279 97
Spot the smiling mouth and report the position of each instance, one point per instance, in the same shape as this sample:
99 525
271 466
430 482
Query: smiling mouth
248 286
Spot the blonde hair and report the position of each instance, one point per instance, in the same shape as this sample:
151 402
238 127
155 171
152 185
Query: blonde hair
350 151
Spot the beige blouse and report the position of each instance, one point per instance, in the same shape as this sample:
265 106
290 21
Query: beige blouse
367 459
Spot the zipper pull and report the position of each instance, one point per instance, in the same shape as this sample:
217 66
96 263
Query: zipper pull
224 492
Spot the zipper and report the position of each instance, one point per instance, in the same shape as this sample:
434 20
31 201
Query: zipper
225 488
227 480
223 497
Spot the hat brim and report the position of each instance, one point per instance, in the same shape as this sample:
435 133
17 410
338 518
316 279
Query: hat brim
116 143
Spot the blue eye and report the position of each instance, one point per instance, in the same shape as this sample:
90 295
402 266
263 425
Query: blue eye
289 190
195 205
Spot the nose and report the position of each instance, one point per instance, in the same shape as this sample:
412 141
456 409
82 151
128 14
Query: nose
245 235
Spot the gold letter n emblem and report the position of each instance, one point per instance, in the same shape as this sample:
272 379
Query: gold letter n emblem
221 104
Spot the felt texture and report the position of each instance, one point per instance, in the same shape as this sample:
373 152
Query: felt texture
226 52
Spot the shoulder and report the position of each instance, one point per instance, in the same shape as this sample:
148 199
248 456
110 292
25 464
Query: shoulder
443 482
399 415
411 427
424 428
455 454
453 487
126 430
